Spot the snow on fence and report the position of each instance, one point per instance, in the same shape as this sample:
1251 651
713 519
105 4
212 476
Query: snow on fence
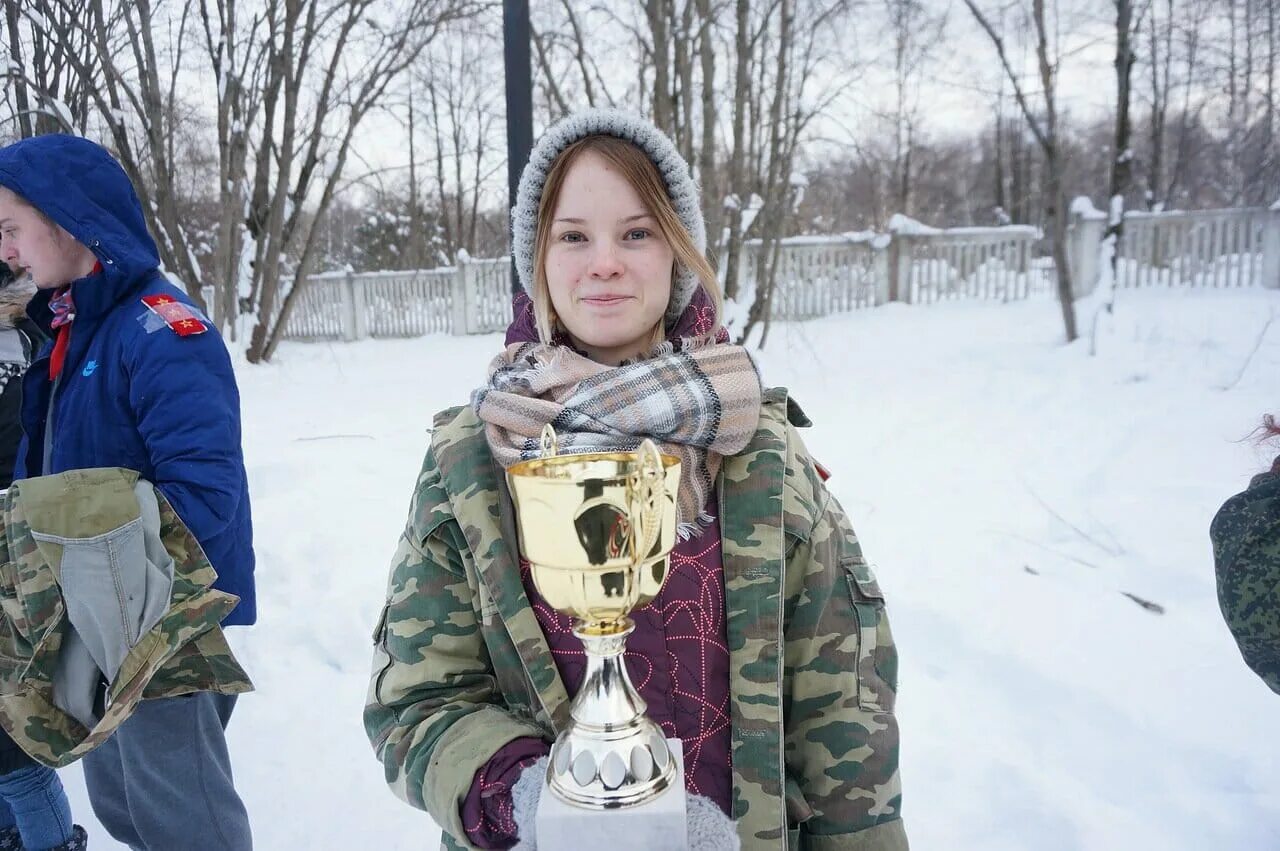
817 276
1206 248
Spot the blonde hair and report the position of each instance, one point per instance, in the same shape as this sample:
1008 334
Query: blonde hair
639 171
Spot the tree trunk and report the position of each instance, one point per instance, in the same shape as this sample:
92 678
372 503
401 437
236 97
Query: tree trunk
712 208
741 85
663 113
20 84
1121 155
776 184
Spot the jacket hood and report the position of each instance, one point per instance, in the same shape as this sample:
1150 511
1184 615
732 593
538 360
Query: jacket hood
81 187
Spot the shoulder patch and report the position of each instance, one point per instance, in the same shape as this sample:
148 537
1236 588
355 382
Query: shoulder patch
166 311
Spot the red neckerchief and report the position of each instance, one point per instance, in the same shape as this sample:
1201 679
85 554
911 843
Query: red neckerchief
63 314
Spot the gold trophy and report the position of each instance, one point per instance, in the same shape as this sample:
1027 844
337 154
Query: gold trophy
597 529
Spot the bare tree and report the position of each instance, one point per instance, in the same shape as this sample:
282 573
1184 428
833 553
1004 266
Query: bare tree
50 95
806 48
1045 128
238 55
134 87
567 41
744 44
331 62
463 115
1160 62
914 31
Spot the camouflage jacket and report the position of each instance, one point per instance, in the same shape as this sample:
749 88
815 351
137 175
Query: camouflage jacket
461 666
1246 549
101 581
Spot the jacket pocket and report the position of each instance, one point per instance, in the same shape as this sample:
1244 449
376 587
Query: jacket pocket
877 666
798 812
381 657
15 643
116 587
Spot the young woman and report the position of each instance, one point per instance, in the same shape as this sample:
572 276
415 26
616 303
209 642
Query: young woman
767 653
1246 550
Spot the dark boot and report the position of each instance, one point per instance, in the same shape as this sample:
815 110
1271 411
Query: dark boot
79 841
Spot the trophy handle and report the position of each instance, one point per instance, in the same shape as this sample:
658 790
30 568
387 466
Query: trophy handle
549 442
646 501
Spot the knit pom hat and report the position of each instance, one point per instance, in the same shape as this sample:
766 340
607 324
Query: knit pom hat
645 136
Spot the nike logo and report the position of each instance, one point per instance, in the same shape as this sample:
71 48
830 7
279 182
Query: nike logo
89 368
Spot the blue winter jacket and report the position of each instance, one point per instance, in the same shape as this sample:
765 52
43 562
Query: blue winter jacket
132 393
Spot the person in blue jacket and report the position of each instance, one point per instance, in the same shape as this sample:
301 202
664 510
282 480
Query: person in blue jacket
134 377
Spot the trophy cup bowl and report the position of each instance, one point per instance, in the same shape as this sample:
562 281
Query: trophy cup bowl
597 529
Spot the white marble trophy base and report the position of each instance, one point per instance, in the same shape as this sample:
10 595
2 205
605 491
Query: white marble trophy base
658 825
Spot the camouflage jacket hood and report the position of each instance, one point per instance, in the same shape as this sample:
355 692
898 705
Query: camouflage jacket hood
1246 550
461 666
101 581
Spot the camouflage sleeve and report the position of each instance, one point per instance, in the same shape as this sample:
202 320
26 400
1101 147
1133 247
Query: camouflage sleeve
841 681
1246 550
434 713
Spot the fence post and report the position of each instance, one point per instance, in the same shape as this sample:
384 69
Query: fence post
470 300
1271 248
458 286
880 256
213 309
347 302
1084 238
359 305
899 267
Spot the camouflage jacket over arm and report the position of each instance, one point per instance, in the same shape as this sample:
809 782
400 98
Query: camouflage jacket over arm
461 666
1246 549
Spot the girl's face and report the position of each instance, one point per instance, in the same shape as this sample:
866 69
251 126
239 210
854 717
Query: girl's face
51 255
608 267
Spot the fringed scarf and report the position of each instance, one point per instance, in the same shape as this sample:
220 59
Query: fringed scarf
696 398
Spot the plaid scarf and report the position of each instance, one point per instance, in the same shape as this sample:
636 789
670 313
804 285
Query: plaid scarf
695 398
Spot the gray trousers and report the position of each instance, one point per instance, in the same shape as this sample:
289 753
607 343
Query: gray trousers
163 781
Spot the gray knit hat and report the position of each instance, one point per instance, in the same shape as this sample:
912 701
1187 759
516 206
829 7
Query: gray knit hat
648 138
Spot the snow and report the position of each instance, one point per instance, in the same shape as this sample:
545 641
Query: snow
848 237
907 226
1009 489
1117 210
1083 207
903 225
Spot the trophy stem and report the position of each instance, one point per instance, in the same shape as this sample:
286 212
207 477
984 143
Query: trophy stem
610 755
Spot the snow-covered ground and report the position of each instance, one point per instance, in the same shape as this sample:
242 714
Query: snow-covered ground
1011 491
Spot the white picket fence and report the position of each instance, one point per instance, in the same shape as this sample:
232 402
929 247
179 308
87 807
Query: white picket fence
1206 248
470 298
818 276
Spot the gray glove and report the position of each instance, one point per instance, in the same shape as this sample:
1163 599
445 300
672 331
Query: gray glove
524 804
709 828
